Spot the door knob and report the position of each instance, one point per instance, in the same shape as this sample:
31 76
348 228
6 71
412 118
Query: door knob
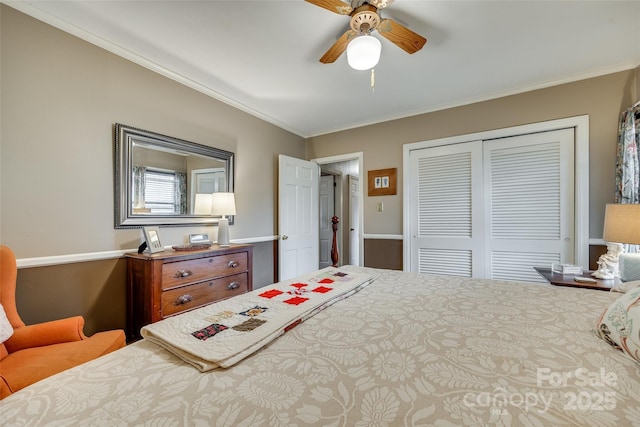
285 237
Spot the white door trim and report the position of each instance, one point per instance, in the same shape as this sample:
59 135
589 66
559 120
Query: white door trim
581 126
359 156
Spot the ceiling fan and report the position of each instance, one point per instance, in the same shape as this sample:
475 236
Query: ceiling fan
365 19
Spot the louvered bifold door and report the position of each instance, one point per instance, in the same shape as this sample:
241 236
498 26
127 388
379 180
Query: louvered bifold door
446 211
529 203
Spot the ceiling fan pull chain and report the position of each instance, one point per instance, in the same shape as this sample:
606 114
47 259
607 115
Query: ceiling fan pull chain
373 80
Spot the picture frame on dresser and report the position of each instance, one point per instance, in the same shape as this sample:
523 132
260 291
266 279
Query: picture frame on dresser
152 238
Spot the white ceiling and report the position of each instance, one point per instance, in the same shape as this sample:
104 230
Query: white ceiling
262 56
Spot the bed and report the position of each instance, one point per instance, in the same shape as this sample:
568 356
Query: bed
407 349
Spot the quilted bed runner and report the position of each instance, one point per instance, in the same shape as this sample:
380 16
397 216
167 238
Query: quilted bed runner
222 334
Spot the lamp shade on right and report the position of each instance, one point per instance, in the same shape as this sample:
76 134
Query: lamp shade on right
622 223
223 204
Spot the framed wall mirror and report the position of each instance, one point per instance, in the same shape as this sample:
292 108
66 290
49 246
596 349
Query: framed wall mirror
159 179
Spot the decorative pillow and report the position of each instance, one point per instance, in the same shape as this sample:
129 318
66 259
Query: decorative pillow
626 286
6 330
629 265
619 324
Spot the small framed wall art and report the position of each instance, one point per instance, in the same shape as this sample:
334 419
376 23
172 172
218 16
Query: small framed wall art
153 239
382 182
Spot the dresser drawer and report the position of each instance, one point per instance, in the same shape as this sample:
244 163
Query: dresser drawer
202 293
195 270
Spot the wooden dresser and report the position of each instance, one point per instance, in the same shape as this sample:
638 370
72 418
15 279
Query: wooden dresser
167 283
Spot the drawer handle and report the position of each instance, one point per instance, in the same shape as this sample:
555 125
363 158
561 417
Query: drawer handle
232 264
233 285
183 299
182 273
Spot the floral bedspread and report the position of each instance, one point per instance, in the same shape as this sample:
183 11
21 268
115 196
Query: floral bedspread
406 350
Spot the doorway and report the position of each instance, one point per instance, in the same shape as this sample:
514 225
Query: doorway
329 193
347 200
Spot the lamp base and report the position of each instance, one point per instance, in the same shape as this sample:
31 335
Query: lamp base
629 267
223 232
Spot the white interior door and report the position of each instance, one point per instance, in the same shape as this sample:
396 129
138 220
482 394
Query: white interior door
327 210
298 222
354 223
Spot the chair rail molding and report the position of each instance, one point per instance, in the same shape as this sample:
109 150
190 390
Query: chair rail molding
98 256
383 236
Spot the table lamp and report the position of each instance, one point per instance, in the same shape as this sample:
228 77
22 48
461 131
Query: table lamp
223 204
622 225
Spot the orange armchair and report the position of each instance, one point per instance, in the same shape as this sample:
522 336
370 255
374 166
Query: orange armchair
38 351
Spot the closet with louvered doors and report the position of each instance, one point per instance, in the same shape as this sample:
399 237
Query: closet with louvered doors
493 208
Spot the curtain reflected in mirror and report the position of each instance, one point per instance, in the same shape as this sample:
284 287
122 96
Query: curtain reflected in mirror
158 178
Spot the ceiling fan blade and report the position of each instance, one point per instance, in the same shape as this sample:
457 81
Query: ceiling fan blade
338 47
335 6
401 36
380 4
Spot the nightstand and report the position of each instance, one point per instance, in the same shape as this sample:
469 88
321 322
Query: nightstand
558 279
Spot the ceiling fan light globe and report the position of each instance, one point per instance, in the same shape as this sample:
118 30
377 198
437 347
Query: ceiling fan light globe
363 52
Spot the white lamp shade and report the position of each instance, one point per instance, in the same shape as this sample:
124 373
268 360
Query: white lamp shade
203 203
363 52
223 204
622 223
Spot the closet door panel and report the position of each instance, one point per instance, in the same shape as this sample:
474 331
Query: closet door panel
528 203
446 218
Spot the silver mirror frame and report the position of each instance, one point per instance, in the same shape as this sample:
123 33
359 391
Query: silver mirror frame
125 136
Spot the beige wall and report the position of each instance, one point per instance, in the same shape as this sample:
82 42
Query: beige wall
60 99
602 98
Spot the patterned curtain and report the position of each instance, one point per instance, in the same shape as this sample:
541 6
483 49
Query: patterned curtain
181 193
628 161
138 173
